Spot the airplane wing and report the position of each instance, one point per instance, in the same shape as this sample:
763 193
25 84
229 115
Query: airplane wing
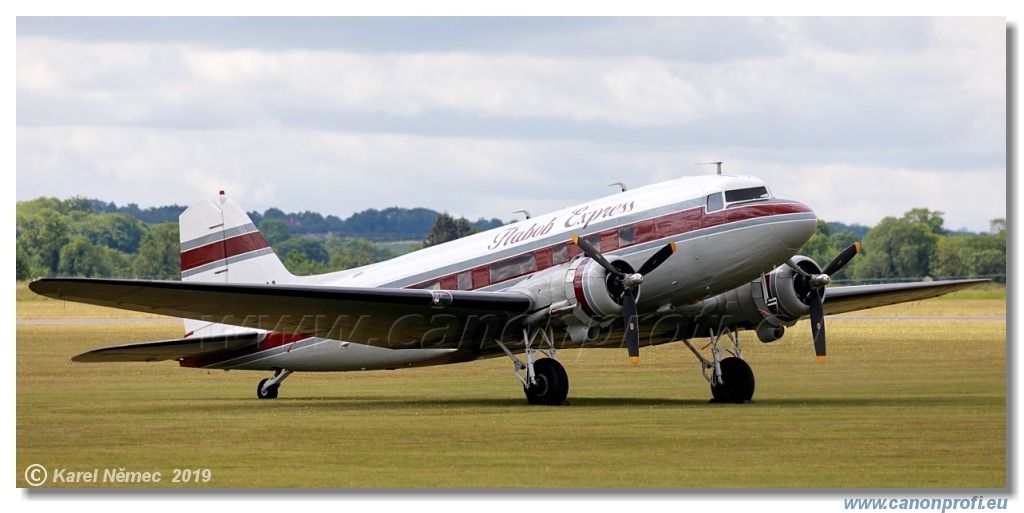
393 318
860 297
170 349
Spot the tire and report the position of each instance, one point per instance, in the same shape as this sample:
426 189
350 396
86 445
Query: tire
552 386
271 393
738 386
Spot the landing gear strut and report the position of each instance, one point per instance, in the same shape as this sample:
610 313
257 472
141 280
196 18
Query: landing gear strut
731 379
544 380
267 389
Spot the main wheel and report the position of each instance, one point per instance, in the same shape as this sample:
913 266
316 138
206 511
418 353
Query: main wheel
738 386
271 392
552 386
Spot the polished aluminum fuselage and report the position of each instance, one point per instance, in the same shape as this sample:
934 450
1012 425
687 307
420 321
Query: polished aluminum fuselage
718 250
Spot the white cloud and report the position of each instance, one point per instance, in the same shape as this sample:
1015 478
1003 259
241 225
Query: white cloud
486 132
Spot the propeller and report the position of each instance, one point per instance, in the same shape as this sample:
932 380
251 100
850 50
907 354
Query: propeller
816 282
629 283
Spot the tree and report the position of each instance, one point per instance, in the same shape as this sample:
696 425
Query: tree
446 228
299 264
313 250
354 253
898 249
970 256
998 227
23 265
45 235
81 258
77 204
930 218
826 243
117 231
274 230
159 253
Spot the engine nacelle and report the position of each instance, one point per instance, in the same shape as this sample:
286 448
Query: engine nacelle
581 296
767 305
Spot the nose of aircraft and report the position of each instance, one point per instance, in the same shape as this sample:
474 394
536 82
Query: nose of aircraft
795 232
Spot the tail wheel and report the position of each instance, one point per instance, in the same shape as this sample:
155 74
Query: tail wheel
552 383
271 393
738 382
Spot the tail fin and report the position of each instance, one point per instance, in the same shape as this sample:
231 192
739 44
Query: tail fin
219 243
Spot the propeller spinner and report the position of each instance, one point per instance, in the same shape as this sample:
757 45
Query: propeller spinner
816 282
629 284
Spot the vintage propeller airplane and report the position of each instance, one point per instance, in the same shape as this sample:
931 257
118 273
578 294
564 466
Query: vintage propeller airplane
704 256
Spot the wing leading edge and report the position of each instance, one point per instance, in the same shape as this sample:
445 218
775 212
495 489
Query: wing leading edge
861 297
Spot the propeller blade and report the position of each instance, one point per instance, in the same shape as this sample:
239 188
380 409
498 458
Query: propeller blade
630 284
632 326
592 252
842 259
818 326
801 272
657 258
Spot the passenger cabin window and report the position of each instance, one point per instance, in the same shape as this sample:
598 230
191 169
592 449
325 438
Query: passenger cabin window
514 267
559 254
594 240
464 280
434 285
626 236
715 202
753 193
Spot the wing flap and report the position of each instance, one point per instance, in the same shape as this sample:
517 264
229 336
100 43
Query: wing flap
170 349
860 297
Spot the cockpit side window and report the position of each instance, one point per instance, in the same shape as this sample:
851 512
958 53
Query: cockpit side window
752 193
714 202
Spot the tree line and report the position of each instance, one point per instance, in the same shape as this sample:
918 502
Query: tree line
914 247
90 238
389 224
82 237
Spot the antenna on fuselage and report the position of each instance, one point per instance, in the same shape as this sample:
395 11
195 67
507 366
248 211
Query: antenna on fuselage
719 164
524 212
620 184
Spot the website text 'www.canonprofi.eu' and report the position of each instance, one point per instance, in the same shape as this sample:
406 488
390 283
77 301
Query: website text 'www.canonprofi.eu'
975 503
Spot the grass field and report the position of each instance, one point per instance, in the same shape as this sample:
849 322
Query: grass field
912 402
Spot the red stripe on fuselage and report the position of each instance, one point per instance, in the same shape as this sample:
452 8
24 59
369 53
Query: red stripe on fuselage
662 227
221 250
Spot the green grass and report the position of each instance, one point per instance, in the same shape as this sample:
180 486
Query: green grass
905 403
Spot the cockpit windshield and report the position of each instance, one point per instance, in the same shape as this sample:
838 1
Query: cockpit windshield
749 194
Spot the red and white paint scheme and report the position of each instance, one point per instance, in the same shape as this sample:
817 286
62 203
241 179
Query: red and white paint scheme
707 256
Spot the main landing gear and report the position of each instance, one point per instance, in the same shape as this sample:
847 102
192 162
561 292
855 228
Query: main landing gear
731 379
267 389
544 380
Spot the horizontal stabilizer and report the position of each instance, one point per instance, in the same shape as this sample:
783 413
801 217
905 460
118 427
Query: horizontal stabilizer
170 349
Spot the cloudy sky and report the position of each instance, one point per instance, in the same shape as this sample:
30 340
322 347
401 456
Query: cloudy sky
860 118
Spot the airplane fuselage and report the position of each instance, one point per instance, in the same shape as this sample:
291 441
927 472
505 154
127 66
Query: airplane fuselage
728 230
